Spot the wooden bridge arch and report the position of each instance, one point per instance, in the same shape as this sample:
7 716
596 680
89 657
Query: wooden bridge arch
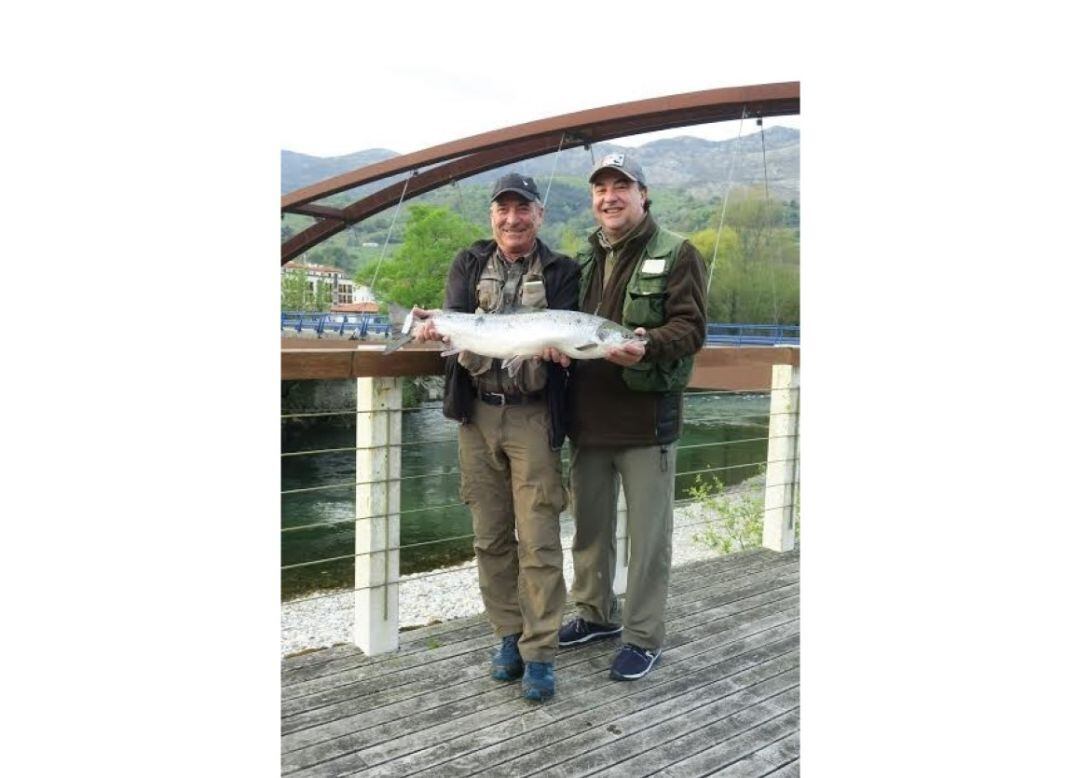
468 156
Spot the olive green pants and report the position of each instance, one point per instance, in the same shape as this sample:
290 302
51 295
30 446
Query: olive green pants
512 480
648 475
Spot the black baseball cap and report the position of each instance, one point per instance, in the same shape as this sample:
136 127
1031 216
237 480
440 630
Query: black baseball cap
621 164
519 185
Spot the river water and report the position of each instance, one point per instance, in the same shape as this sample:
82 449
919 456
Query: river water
318 524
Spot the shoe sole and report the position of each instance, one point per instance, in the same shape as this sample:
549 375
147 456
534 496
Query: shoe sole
617 676
589 637
537 695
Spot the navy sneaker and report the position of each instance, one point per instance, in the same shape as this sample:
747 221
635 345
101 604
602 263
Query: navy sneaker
578 631
506 665
539 681
632 662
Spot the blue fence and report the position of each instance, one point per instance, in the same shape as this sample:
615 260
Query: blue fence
752 334
364 325
359 324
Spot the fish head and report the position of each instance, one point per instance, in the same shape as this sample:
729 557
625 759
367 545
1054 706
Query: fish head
611 335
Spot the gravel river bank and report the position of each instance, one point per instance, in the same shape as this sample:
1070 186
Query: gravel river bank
424 598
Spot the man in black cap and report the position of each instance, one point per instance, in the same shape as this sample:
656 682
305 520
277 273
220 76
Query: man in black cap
511 432
627 414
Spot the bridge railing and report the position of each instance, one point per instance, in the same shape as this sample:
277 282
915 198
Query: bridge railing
358 324
379 442
368 324
752 334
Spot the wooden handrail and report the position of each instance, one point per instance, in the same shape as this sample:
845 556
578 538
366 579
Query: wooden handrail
716 367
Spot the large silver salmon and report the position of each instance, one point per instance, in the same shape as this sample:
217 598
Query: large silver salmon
513 337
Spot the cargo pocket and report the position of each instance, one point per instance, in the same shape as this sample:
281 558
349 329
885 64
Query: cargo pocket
641 377
646 305
554 491
533 294
474 363
488 291
533 375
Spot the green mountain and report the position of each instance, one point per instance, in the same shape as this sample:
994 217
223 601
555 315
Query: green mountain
688 178
697 166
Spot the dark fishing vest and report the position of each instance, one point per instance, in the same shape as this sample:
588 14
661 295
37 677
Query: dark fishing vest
643 306
503 286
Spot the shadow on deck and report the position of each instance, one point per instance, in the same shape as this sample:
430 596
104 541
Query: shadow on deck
724 699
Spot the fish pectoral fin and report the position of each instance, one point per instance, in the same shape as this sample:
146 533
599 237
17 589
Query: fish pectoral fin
397 343
450 352
513 365
587 346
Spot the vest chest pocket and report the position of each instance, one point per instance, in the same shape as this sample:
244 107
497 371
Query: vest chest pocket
645 304
488 291
533 294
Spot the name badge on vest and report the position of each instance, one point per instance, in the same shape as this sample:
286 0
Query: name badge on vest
652 266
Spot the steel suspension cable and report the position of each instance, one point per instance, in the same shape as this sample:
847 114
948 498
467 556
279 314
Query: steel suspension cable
390 231
765 213
554 164
723 210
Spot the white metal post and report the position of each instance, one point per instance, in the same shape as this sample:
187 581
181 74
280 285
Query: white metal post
378 506
622 545
781 470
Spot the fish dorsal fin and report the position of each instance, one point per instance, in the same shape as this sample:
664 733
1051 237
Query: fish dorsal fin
513 365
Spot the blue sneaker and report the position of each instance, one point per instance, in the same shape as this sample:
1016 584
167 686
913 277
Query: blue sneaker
506 663
539 681
578 631
632 662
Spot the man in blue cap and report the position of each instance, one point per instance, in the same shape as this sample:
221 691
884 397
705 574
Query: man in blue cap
511 432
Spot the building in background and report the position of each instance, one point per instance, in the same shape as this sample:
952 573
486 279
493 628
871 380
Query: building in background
342 287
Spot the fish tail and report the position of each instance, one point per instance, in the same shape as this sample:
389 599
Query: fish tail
397 342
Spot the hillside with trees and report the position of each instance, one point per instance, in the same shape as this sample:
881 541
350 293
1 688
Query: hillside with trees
754 258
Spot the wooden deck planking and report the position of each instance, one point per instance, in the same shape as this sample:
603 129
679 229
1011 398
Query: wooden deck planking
318 694
333 706
339 659
347 683
724 696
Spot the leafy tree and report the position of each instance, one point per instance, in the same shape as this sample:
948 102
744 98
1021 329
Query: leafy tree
416 274
332 255
572 241
294 290
297 296
755 278
324 295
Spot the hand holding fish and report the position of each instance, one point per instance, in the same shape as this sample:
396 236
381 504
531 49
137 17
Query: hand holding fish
630 352
425 329
552 354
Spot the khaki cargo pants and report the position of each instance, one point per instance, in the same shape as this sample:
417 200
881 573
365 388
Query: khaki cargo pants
511 479
648 476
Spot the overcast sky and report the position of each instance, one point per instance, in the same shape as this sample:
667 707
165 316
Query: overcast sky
407 93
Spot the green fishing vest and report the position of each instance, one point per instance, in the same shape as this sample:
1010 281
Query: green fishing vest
643 306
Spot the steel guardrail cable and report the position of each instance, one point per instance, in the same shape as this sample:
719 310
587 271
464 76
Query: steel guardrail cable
400 581
409 511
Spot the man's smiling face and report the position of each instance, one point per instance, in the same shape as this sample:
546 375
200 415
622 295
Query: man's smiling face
617 203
